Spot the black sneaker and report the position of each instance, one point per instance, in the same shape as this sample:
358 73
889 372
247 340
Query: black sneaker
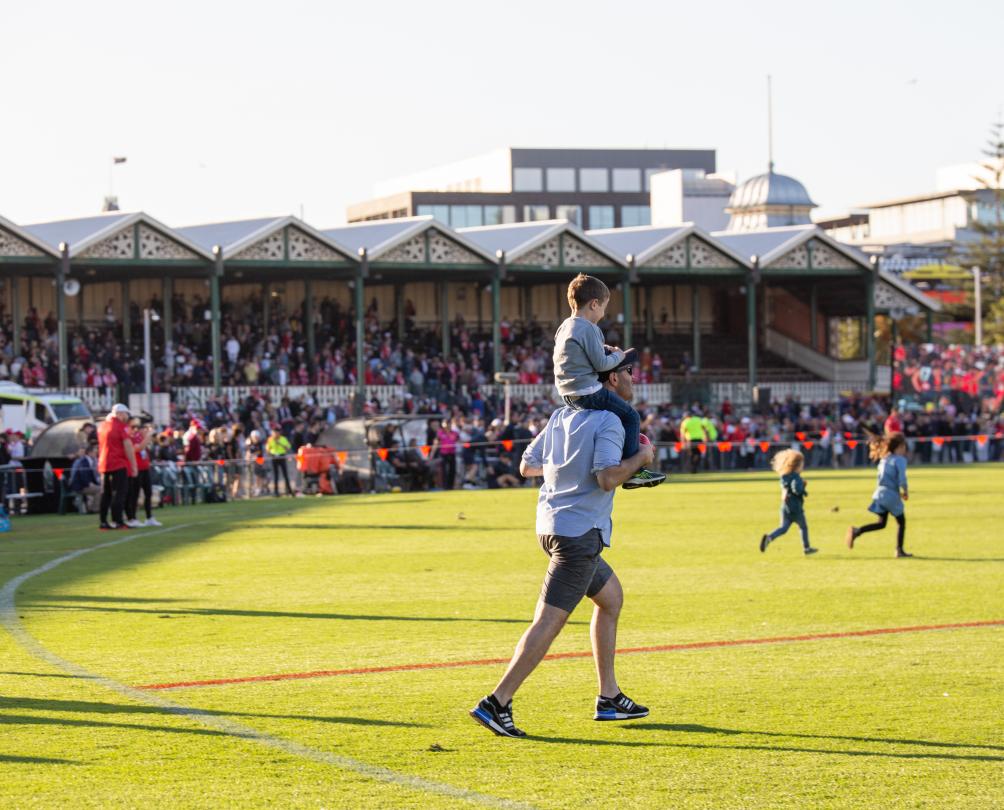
901 553
644 478
496 718
106 527
808 550
618 708
764 542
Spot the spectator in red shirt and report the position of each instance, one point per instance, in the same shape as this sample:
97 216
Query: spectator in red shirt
893 424
140 435
116 462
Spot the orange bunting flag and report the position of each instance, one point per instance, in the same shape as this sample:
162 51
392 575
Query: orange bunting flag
852 443
724 447
59 472
938 441
677 446
260 460
807 445
507 444
382 452
800 435
221 462
467 445
425 450
341 456
981 440
765 446
702 447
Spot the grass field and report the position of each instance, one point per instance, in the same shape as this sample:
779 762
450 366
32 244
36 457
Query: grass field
910 719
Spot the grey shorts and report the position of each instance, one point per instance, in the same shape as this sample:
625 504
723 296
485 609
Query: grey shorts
576 568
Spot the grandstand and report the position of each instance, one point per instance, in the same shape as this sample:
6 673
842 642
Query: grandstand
771 307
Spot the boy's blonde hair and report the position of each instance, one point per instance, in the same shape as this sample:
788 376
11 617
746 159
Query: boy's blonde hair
788 461
582 289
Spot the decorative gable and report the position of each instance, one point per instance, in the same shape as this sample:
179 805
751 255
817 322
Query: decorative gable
673 256
702 255
545 255
888 298
578 254
412 251
121 245
305 248
794 259
153 245
445 251
825 256
11 245
269 249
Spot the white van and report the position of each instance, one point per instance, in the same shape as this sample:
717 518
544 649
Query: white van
31 411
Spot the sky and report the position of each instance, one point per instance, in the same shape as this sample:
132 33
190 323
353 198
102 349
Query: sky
228 110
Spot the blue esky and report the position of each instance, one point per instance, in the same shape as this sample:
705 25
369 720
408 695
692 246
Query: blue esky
241 109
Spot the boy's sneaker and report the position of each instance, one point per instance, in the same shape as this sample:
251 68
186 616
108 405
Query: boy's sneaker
809 550
644 478
496 718
764 542
852 535
153 522
618 708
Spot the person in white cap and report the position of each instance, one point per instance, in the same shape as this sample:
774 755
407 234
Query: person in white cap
116 463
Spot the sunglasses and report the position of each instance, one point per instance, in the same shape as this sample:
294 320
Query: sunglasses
628 369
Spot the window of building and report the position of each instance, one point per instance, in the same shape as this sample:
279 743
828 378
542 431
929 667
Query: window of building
648 177
465 216
440 212
535 213
561 179
573 213
594 180
527 180
627 179
499 214
601 216
635 215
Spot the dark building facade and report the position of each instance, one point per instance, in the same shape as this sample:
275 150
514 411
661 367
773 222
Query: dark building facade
594 188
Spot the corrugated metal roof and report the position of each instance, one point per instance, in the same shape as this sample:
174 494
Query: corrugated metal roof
510 238
74 231
225 234
762 243
373 235
634 241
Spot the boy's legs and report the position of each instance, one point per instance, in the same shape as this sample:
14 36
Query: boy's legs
607 400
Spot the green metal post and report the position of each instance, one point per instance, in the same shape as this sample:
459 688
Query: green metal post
628 296
360 306
870 328
929 317
308 321
814 318
216 274
649 317
751 331
695 315
126 313
167 318
444 316
62 271
497 277
399 309
266 305
15 313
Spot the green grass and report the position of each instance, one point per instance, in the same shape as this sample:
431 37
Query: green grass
907 720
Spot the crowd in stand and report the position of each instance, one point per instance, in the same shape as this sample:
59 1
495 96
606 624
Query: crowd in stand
925 371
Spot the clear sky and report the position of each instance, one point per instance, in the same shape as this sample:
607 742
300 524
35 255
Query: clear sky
237 109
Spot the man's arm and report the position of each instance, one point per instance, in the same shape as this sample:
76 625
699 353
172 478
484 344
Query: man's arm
609 478
610 469
589 339
531 465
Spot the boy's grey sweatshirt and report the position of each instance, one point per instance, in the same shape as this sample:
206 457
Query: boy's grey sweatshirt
579 356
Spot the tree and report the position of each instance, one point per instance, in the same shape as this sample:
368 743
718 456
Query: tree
986 250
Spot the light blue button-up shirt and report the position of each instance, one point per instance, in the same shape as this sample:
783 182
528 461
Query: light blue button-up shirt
575 445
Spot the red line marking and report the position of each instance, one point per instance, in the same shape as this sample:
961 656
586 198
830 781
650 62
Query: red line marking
480 662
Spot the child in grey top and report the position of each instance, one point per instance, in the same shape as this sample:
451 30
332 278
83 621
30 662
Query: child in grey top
580 355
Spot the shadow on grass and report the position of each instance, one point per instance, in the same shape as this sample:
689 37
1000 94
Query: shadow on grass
171 612
101 707
15 760
699 729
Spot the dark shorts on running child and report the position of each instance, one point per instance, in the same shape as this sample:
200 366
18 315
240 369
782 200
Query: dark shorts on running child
576 568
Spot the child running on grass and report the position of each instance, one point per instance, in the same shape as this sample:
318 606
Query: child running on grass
580 355
890 452
788 464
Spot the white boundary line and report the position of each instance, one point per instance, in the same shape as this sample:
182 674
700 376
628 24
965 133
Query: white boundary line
11 622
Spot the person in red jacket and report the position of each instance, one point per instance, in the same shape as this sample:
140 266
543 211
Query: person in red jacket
140 435
116 462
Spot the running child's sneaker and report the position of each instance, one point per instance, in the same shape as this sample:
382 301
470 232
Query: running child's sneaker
852 535
810 551
644 478
618 708
901 553
764 542
495 717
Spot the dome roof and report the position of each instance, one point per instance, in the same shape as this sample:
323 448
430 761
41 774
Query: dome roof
769 189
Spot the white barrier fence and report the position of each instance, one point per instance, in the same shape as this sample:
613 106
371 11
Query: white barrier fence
197 397
653 393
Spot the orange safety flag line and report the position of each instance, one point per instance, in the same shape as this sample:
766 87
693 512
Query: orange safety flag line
382 452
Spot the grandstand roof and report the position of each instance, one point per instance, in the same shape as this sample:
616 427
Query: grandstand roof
646 242
18 243
521 239
238 236
380 237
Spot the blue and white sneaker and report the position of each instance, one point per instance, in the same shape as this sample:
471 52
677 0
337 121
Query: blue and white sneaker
495 717
618 708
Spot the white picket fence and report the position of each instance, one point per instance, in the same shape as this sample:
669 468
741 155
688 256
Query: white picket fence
196 397
652 393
